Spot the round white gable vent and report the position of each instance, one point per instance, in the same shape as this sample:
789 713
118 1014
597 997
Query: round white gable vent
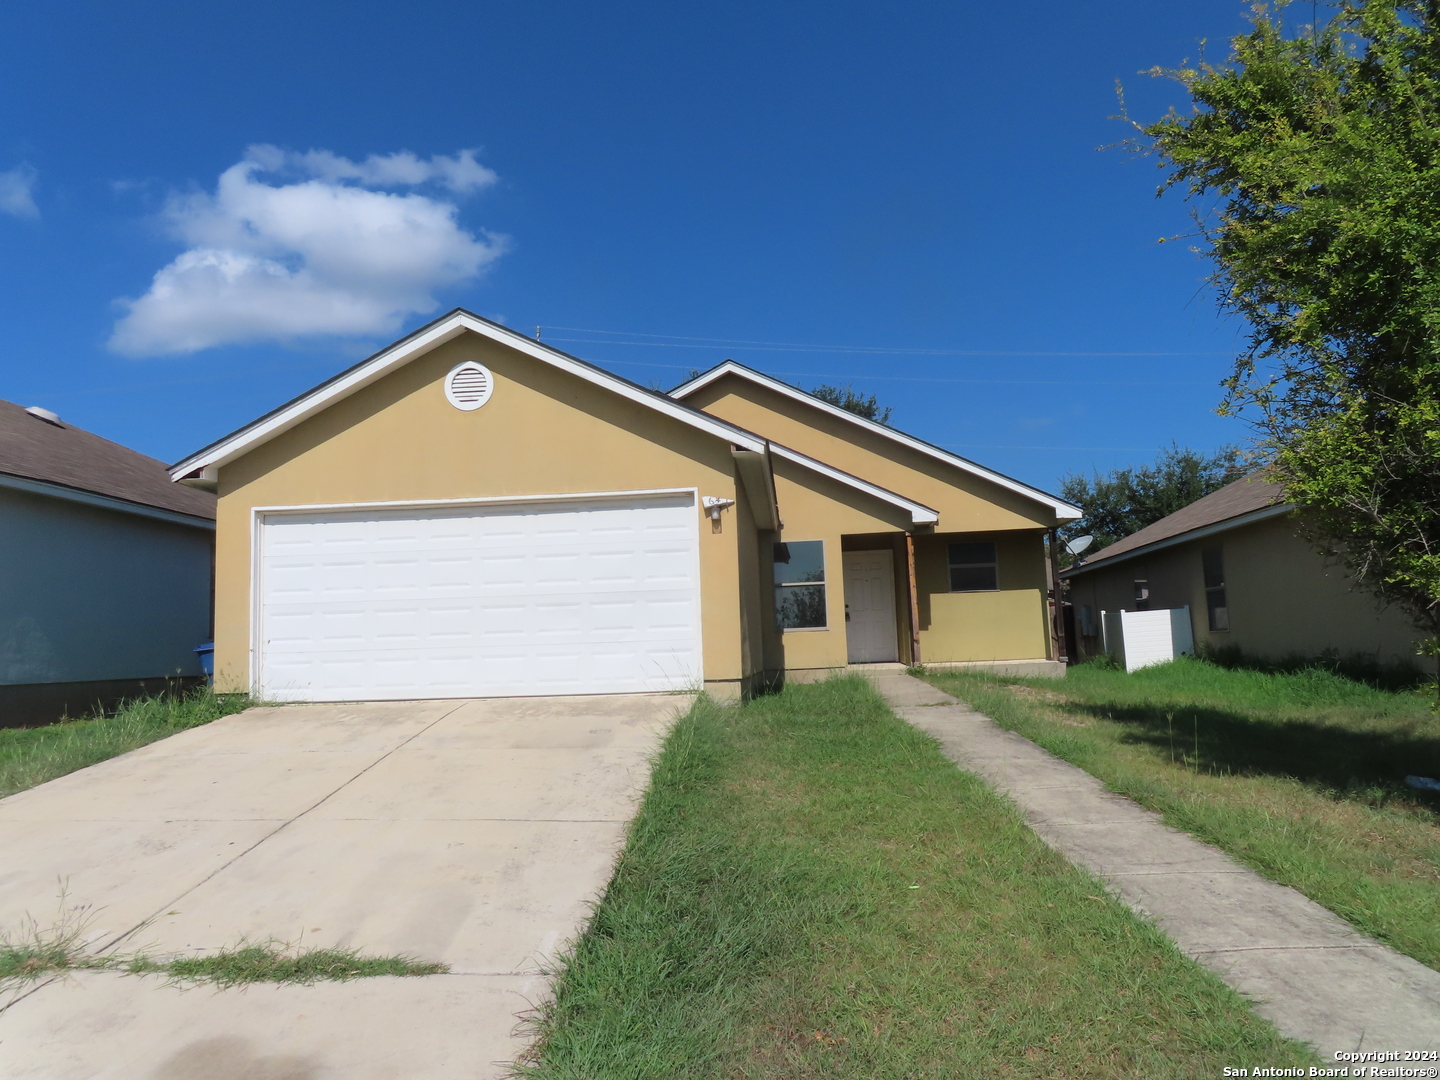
469 385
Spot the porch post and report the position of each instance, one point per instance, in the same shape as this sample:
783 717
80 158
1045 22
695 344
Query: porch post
1057 617
914 603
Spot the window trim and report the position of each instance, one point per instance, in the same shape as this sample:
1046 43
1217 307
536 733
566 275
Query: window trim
824 583
1223 589
1141 597
950 566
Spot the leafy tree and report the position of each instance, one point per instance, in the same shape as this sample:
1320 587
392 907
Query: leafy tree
1126 500
846 398
1317 151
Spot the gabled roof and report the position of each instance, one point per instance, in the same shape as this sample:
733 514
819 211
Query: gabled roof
1063 510
452 325
408 348
68 458
1251 498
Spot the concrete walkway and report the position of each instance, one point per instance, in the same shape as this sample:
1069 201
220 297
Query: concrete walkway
1307 970
471 832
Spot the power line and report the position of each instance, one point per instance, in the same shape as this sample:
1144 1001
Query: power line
911 378
994 446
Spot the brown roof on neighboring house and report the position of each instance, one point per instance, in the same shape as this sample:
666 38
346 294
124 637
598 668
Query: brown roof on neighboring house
36 449
1243 496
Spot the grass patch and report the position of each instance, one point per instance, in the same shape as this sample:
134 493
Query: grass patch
1299 774
40 953
811 889
279 964
31 756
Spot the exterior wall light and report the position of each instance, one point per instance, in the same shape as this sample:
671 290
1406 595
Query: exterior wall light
713 505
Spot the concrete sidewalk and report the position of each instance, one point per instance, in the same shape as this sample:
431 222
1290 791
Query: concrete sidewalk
1306 969
476 833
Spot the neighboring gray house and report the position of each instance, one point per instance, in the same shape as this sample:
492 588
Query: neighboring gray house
1236 559
105 571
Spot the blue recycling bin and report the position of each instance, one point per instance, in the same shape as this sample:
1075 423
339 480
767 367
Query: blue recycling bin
206 653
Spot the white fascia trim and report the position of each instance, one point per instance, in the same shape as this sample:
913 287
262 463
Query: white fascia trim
106 502
1063 511
920 514
444 330
1184 538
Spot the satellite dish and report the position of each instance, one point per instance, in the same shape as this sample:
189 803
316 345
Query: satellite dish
1079 544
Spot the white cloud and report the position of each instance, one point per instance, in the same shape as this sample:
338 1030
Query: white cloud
17 192
462 174
320 252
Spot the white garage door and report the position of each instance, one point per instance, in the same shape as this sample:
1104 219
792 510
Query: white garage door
599 596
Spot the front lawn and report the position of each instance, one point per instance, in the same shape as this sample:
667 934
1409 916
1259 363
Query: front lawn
1299 775
30 756
812 890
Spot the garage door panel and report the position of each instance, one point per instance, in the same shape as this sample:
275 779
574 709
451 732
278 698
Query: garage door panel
379 624
594 596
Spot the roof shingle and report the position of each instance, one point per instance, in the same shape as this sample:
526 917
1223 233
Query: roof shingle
64 454
1243 496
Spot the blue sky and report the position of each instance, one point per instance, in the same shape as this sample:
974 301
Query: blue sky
207 209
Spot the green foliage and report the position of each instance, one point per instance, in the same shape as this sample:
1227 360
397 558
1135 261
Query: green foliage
1126 500
1319 151
846 398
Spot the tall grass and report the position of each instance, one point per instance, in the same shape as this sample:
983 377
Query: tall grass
812 890
1300 774
30 756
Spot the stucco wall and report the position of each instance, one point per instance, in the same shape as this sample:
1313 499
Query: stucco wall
1008 624
89 594
542 432
816 508
1283 599
965 502
748 540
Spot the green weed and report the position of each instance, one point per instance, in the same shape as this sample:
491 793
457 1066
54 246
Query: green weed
39 952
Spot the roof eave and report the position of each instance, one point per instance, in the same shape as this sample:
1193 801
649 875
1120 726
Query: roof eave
1198 533
51 488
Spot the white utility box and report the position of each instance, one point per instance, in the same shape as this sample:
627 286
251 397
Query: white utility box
1140 638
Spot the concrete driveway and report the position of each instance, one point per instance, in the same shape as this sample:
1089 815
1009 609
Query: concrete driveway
471 832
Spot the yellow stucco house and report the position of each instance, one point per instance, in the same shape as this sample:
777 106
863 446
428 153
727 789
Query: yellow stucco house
470 512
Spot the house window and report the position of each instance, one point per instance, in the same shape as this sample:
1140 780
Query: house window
972 567
1142 594
800 585
1216 608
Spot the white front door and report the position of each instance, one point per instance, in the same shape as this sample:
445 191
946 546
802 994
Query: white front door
870 607
583 596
